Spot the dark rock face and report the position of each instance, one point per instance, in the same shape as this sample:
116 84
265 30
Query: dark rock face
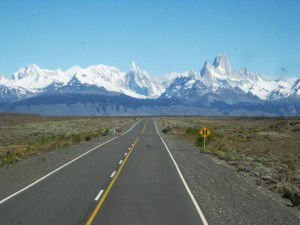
95 104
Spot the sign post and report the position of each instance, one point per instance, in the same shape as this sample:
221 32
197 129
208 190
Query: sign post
204 132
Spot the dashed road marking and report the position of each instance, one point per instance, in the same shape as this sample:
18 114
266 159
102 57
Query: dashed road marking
113 174
99 195
61 167
99 204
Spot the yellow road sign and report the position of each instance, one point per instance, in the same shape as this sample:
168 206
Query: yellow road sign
204 132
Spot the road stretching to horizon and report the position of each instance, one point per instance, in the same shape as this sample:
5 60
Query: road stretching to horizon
130 180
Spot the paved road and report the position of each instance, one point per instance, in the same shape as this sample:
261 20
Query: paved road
129 180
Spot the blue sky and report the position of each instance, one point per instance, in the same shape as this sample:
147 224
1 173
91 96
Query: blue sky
161 36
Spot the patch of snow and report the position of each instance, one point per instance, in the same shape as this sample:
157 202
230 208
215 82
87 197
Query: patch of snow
36 80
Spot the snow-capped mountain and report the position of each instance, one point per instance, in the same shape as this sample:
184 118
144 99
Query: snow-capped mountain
96 90
218 77
169 78
183 85
33 80
138 81
12 94
193 89
8 93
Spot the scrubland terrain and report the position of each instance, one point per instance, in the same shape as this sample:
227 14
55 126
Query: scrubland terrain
266 148
22 135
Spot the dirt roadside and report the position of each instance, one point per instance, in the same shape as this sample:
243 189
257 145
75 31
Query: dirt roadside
225 195
17 175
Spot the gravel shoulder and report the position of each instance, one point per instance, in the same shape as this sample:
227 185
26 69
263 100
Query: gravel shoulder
225 195
14 177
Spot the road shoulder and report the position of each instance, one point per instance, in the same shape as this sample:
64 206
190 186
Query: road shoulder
14 177
226 196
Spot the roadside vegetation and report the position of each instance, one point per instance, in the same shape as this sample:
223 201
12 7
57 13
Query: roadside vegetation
266 148
23 135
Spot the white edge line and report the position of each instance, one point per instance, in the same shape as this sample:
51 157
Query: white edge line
98 195
121 161
131 127
59 168
113 174
125 153
183 180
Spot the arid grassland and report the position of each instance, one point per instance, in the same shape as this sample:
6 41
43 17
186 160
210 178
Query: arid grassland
267 148
22 135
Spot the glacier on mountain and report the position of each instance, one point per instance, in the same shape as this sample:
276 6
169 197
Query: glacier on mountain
215 78
35 80
214 82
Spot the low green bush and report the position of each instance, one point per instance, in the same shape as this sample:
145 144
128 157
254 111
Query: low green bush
192 131
104 132
294 123
199 142
76 138
9 157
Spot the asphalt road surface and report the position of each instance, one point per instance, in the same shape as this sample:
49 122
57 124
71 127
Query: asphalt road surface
131 179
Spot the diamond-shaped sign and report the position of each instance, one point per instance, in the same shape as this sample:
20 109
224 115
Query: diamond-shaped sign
204 132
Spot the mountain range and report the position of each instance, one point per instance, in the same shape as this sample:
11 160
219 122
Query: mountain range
216 89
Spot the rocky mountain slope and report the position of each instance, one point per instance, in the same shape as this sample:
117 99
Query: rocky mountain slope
217 78
36 81
104 90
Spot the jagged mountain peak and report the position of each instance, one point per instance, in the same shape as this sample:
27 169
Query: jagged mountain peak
75 80
169 78
245 74
26 72
206 69
221 60
134 66
219 76
220 69
137 71
213 78
37 80
223 64
30 67
193 74
207 64
141 83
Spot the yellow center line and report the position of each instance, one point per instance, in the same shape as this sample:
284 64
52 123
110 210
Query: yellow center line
96 210
144 127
